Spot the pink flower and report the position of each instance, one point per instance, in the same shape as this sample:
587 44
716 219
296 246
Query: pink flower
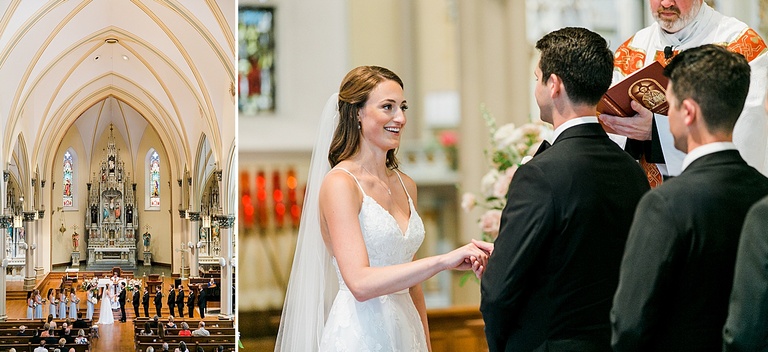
448 138
501 186
468 201
490 222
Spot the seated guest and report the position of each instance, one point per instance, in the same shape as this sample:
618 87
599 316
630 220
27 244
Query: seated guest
47 331
147 329
185 330
165 347
155 322
50 321
22 331
62 342
41 348
81 339
170 324
150 349
79 323
201 330
182 347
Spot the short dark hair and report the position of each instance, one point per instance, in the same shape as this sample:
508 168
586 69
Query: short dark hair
717 79
582 60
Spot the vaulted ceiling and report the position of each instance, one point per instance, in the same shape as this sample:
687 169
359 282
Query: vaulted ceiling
168 64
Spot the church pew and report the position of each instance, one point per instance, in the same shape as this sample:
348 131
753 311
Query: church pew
213 331
139 322
207 347
175 339
7 340
20 347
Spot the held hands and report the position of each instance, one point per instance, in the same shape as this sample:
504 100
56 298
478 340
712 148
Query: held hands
636 127
467 257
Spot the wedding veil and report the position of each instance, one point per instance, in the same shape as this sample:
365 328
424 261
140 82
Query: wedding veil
313 283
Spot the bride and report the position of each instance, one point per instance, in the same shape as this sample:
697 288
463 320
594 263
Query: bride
105 312
355 283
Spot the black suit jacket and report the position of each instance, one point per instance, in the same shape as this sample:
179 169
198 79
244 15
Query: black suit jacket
171 297
145 298
158 298
180 299
678 265
136 297
191 298
746 328
554 269
121 297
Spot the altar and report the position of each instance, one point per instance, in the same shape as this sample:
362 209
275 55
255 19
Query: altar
110 222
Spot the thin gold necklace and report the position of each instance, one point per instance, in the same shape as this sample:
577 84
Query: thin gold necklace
377 179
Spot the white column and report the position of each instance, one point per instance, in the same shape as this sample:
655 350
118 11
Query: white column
185 238
194 228
494 66
227 288
4 222
29 264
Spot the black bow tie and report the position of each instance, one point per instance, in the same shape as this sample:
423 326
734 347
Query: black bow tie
542 147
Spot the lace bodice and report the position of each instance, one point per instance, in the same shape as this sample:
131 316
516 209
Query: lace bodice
384 240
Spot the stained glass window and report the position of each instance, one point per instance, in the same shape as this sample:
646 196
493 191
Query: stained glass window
154 179
68 180
256 50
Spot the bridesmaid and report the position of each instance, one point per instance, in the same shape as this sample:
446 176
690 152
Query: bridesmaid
30 305
62 304
52 303
73 301
38 305
89 298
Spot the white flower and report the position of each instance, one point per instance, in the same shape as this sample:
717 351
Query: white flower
507 136
488 182
468 201
526 159
490 222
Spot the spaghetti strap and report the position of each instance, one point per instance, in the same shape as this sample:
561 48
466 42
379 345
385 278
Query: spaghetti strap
354 178
402 184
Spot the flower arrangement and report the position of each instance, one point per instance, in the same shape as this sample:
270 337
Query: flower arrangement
132 283
511 146
89 284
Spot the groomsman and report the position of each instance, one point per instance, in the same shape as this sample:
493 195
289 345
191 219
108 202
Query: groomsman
145 302
201 300
158 301
678 266
121 299
136 300
180 301
191 302
171 299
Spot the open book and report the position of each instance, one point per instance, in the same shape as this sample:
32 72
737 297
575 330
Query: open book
647 86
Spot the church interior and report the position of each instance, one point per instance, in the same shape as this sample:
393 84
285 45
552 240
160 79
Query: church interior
462 62
118 153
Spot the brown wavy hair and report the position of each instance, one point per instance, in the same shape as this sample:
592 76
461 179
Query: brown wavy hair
353 93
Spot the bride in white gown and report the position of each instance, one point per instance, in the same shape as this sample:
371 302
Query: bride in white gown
105 312
360 230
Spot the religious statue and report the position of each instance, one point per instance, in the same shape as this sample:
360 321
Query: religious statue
117 210
146 237
111 164
94 215
75 241
129 215
106 212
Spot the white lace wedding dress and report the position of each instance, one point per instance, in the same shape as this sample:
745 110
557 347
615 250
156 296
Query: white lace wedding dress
105 311
385 323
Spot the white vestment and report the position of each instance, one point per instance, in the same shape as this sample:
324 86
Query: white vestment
709 27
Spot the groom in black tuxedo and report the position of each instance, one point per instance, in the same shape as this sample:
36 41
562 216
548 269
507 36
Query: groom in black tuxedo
121 299
136 300
550 279
679 262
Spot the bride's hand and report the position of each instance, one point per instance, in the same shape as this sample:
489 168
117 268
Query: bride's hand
465 257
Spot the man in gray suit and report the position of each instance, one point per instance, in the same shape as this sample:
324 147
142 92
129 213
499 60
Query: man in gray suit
678 264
